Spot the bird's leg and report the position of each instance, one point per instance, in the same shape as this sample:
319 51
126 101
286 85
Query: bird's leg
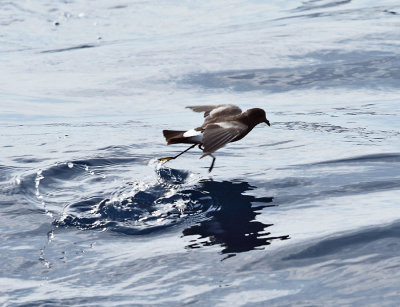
212 163
171 158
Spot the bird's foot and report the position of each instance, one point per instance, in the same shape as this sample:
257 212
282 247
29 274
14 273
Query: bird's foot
166 159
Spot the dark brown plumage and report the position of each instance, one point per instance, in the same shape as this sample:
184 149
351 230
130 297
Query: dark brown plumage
223 124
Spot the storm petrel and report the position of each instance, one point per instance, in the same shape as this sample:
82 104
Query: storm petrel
223 124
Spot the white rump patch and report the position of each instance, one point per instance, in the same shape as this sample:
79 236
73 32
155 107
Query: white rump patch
194 135
191 132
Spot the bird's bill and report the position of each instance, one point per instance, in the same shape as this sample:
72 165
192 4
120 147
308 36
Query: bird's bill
267 122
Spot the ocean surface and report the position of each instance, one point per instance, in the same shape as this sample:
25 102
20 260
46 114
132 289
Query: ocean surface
303 213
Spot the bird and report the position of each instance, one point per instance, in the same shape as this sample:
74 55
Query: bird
223 124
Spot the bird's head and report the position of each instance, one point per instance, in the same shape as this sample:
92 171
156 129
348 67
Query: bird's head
258 116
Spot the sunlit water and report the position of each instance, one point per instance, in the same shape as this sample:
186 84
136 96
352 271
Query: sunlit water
305 212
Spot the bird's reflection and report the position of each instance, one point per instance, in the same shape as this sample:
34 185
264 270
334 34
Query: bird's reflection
233 225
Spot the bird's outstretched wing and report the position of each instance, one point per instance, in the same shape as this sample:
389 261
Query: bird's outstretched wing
219 134
213 111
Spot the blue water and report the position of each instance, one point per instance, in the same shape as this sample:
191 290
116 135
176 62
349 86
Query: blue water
305 212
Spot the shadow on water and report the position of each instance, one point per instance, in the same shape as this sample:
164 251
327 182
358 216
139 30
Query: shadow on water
212 212
233 225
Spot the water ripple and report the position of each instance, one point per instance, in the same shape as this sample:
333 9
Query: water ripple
360 74
83 46
218 213
208 212
330 246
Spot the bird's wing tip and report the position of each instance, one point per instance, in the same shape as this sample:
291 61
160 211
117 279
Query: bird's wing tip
205 154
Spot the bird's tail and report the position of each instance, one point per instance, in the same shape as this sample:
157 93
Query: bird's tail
175 137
